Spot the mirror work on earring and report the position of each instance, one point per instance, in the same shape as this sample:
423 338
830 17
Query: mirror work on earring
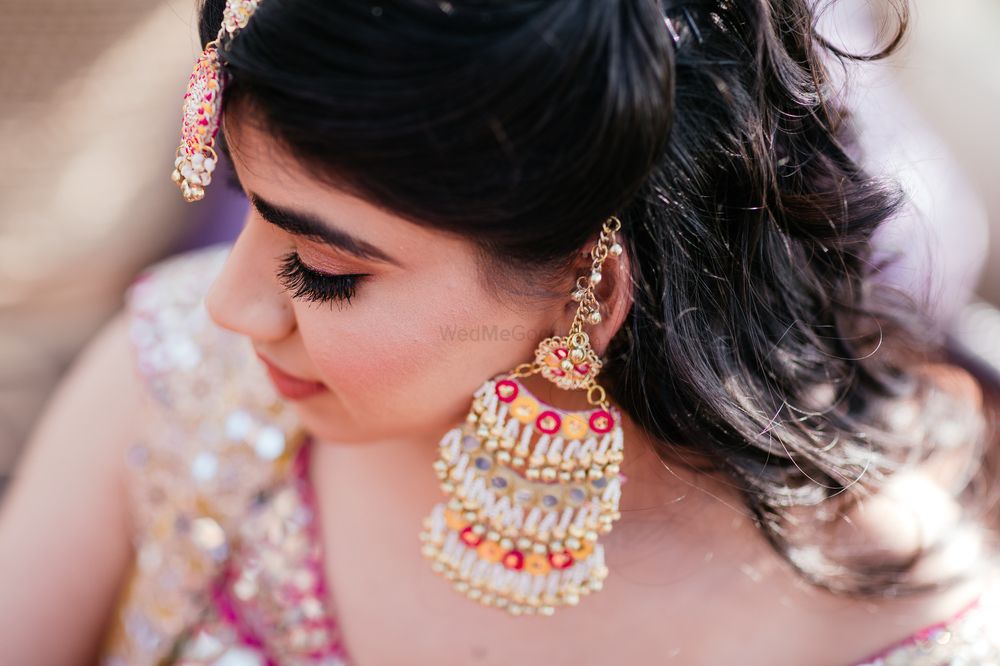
532 487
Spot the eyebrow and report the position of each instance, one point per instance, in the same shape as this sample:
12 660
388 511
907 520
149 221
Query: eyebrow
307 226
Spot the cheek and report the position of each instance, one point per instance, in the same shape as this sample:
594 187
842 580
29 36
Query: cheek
420 363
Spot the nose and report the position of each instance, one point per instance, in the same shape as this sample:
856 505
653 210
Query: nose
246 297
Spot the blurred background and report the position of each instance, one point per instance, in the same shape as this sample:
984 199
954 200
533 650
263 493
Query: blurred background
90 94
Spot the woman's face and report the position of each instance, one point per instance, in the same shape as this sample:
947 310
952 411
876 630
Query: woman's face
419 333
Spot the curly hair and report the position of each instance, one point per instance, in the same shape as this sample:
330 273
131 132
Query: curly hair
759 347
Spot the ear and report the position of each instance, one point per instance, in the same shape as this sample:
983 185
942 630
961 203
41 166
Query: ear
613 294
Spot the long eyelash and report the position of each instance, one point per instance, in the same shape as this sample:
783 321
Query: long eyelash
311 285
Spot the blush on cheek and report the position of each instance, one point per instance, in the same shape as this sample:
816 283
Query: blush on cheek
372 373
392 387
372 357
399 371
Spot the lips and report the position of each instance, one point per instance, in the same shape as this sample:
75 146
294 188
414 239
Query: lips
290 386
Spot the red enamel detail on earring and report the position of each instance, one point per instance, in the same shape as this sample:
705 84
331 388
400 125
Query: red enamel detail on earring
513 559
470 537
548 422
560 559
601 421
506 390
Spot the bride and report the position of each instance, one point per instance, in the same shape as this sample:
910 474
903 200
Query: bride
552 336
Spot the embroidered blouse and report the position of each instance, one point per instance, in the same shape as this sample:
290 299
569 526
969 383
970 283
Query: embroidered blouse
228 562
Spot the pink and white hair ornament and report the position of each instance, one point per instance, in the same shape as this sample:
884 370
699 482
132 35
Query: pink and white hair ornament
196 158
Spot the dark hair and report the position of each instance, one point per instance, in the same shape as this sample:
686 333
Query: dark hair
759 346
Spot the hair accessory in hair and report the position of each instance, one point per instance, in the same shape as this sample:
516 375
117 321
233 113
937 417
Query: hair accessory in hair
196 158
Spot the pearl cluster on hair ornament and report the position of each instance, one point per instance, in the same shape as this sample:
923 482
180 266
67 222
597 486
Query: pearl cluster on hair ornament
196 158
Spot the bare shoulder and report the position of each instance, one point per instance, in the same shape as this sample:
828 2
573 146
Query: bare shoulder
96 403
71 481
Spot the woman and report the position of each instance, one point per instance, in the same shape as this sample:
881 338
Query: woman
787 470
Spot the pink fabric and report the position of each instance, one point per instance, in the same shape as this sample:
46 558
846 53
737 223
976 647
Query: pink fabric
226 609
229 608
921 635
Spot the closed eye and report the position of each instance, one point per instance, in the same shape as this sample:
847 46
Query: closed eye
309 284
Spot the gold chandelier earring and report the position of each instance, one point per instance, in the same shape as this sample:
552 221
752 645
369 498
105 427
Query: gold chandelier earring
532 487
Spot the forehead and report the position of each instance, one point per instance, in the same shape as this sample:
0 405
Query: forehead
268 171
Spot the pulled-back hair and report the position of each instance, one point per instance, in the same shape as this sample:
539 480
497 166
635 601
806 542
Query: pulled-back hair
759 347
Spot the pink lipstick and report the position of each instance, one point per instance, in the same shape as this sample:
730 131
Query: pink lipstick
290 386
